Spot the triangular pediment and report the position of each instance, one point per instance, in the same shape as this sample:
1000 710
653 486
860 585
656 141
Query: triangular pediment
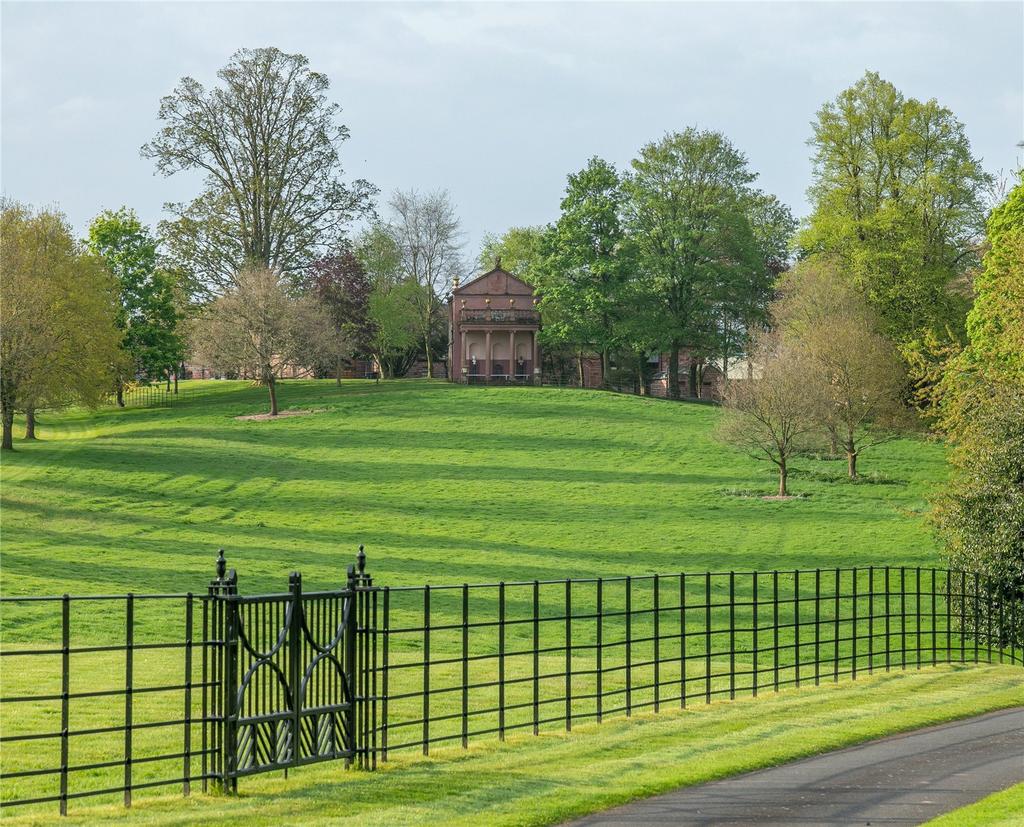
496 282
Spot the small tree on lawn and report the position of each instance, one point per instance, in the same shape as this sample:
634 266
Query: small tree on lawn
856 369
771 414
257 328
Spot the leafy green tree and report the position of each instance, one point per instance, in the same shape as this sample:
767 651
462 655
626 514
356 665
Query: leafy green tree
267 139
897 200
979 514
394 311
995 324
520 250
587 265
688 196
58 340
149 306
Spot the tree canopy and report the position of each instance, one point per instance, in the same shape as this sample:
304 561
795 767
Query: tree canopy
898 199
149 304
267 140
58 339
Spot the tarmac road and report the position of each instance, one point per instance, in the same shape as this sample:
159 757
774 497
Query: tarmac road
902 779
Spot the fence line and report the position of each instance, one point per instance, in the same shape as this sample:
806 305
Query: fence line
177 689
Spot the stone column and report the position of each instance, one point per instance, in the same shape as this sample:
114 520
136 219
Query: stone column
487 355
536 355
457 369
512 352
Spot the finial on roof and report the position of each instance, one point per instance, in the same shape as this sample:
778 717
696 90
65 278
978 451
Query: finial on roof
497 262
455 282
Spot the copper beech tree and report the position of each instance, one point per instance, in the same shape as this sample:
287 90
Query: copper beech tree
256 329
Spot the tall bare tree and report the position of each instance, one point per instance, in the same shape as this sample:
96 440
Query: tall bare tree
268 142
256 328
428 235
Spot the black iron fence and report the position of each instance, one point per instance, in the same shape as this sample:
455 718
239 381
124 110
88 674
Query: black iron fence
151 396
108 696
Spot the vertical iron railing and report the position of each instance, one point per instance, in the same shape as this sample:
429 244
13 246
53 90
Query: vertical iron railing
417 667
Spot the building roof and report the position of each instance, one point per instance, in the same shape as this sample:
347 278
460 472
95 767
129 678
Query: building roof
495 282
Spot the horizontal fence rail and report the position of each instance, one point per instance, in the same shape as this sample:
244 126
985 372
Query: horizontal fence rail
110 696
469 661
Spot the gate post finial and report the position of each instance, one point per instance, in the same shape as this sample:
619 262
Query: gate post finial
221 564
361 561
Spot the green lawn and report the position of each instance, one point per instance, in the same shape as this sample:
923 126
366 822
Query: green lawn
443 484
1002 809
545 780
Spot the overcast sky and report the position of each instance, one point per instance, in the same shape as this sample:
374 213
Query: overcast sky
495 102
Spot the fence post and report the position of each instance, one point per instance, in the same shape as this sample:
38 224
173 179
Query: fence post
629 645
230 679
888 624
600 648
732 635
65 636
756 627
568 654
853 636
129 651
215 673
295 662
775 627
871 619
817 627
682 640
384 676
501 661
796 625
187 760
465 665
426 669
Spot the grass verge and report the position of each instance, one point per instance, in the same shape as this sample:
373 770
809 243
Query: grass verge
1002 809
554 777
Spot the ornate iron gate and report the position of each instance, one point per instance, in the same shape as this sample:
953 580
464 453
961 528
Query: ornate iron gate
284 685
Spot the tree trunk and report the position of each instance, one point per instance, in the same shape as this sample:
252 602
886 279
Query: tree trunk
673 371
851 463
30 422
120 394
272 387
604 368
175 381
698 379
783 473
337 373
8 423
168 380
579 366
430 361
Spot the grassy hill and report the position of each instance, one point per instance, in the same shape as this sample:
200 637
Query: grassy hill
442 483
